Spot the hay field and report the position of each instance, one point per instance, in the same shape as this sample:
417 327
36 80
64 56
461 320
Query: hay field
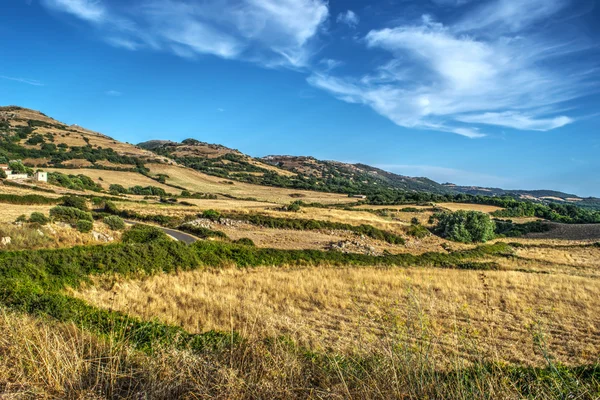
198 182
127 179
464 313
468 207
10 212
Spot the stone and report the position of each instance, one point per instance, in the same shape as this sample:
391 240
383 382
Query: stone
5 241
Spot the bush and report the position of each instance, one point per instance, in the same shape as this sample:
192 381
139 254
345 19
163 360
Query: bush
38 218
293 207
144 234
84 226
418 231
21 218
75 202
69 214
465 226
211 214
115 223
2 174
245 242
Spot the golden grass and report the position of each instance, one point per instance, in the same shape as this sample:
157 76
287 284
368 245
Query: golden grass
351 309
10 212
199 182
469 207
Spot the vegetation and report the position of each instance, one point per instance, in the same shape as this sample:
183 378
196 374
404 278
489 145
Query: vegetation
28 199
144 234
75 202
202 233
138 190
70 215
73 182
114 222
84 226
465 226
38 218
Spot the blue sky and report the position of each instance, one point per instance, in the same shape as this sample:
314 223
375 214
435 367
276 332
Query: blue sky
477 92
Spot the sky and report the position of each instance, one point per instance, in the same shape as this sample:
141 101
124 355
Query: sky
497 93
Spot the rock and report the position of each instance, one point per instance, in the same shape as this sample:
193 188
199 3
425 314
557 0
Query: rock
5 241
101 237
39 231
50 229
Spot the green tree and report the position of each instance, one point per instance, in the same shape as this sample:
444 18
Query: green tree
465 226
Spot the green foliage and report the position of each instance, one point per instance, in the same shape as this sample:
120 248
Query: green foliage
21 218
510 229
17 167
27 199
35 139
38 218
418 231
84 226
69 214
75 202
465 226
245 242
211 214
2 174
202 233
144 234
115 223
74 182
138 190
293 207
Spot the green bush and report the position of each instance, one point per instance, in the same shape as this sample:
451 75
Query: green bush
115 223
84 226
465 226
418 231
26 199
245 242
38 218
75 202
211 214
69 214
203 233
21 218
2 174
144 234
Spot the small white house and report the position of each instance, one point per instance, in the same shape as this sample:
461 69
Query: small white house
40 176
15 177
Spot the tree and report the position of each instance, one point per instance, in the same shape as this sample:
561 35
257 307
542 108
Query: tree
465 226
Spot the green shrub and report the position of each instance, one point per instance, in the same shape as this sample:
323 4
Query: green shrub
203 233
418 231
465 226
38 218
245 242
211 214
75 202
69 214
84 226
26 199
21 218
144 234
2 174
115 223
293 207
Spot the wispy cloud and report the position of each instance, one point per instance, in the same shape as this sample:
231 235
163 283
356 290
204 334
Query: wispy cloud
113 93
31 82
487 69
268 32
349 18
89 10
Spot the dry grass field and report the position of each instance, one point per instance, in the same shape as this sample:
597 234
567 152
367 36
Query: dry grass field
10 212
468 207
464 313
198 182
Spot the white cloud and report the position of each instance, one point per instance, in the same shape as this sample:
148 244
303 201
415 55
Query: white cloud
517 121
440 79
268 32
89 10
330 64
31 82
349 18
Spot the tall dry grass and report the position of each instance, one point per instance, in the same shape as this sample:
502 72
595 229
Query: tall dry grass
350 310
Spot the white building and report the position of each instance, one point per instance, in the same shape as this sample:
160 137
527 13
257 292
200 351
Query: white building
40 176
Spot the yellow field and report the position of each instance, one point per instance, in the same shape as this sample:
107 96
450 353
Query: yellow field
198 182
10 212
463 312
469 207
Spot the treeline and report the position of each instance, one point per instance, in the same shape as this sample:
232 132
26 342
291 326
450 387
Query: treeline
117 189
513 208
74 182
27 199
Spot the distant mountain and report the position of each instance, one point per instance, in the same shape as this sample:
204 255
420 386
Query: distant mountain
359 173
532 195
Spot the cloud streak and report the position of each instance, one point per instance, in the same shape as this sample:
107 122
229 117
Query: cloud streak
269 32
487 69
31 82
